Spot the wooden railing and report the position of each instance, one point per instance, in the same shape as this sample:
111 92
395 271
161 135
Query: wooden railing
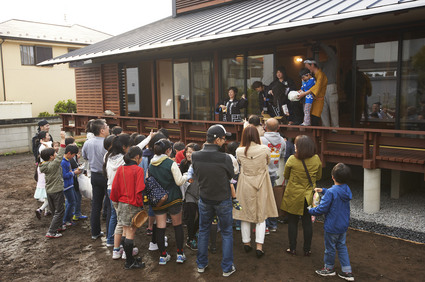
370 148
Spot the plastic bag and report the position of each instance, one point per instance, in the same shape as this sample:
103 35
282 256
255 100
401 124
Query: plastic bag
316 199
85 186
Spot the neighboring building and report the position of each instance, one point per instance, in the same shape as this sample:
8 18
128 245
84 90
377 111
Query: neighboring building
180 67
24 44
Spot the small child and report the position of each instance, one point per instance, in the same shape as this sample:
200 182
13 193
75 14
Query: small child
68 181
308 81
56 146
51 167
335 205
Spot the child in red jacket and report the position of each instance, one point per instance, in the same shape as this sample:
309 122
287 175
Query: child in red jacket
127 192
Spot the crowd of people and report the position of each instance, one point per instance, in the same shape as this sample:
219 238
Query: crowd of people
213 187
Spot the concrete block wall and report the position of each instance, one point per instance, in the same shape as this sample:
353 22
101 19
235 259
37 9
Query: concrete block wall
17 137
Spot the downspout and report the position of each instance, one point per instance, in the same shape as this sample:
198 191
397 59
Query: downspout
2 69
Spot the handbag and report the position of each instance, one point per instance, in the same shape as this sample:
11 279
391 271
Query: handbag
157 195
139 218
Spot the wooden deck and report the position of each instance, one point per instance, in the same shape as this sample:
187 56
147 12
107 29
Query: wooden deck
370 148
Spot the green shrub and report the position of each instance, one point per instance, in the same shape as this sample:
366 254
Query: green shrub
46 114
66 106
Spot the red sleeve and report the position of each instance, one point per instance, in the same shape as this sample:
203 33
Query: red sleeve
179 156
115 186
140 186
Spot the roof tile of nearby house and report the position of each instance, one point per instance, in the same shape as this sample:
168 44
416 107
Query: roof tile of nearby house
239 18
28 30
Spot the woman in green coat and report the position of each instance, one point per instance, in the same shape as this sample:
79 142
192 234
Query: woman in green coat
299 192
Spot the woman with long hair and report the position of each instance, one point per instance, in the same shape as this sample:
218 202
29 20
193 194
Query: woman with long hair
301 168
168 174
255 191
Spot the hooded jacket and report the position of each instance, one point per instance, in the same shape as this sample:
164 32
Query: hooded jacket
128 185
335 205
53 172
277 146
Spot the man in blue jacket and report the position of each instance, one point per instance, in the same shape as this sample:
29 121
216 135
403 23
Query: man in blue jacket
335 205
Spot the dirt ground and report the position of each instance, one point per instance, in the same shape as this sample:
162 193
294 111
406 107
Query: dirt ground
26 255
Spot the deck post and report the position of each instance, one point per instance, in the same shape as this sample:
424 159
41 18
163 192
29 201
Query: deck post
395 184
372 190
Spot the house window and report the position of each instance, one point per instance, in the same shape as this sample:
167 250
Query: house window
33 55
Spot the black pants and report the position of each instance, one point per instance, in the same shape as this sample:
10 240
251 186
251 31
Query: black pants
307 229
192 219
99 185
315 121
56 205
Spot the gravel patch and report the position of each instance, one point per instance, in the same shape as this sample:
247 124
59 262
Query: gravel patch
402 218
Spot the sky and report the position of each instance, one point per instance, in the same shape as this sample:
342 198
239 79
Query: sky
113 17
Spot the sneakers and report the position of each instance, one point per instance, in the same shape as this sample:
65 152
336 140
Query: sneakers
180 258
148 232
267 231
236 204
153 246
109 245
69 224
135 265
238 228
202 269
76 217
326 272
346 275
62 228
272 229
135 252
164 260
227 274
53 235
47 213
38 213
117 254
193 245
98 235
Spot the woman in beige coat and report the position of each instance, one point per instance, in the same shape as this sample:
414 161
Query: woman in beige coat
254 191
299 193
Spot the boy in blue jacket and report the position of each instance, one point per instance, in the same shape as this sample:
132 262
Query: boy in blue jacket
68 183
335 205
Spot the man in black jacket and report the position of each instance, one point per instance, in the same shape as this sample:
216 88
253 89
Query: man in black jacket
213 170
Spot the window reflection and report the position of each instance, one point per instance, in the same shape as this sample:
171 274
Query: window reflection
413 84
133 99
181 90
377 74
202 90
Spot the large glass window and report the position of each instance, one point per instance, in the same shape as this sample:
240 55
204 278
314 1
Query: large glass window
202 101
181 89
260 68
376 83
133 99
32 55
233 74
412 108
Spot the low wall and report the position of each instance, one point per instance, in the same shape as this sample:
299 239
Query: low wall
16 134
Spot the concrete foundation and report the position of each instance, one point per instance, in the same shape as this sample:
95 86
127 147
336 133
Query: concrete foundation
372 190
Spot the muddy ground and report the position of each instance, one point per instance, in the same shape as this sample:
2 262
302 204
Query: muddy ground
26 255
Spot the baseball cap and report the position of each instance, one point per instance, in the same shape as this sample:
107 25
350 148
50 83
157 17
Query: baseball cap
218 131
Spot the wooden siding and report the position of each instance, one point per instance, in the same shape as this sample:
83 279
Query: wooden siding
183 6
89 92
111 90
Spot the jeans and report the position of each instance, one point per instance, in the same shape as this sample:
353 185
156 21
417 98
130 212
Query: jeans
99 184
206 215
307 229
112 222
77 209
271 222
335 242
69 204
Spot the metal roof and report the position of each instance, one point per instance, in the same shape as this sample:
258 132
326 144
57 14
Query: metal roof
28 30
240 18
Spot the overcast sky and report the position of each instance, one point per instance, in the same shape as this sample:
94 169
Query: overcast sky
111 17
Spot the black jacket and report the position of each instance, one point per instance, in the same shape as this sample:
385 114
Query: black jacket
233 113
213 170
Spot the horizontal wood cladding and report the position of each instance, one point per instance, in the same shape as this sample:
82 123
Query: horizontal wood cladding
89 92
183 6
111 90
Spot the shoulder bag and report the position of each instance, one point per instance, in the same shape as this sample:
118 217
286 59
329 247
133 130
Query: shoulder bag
156 194
316 196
